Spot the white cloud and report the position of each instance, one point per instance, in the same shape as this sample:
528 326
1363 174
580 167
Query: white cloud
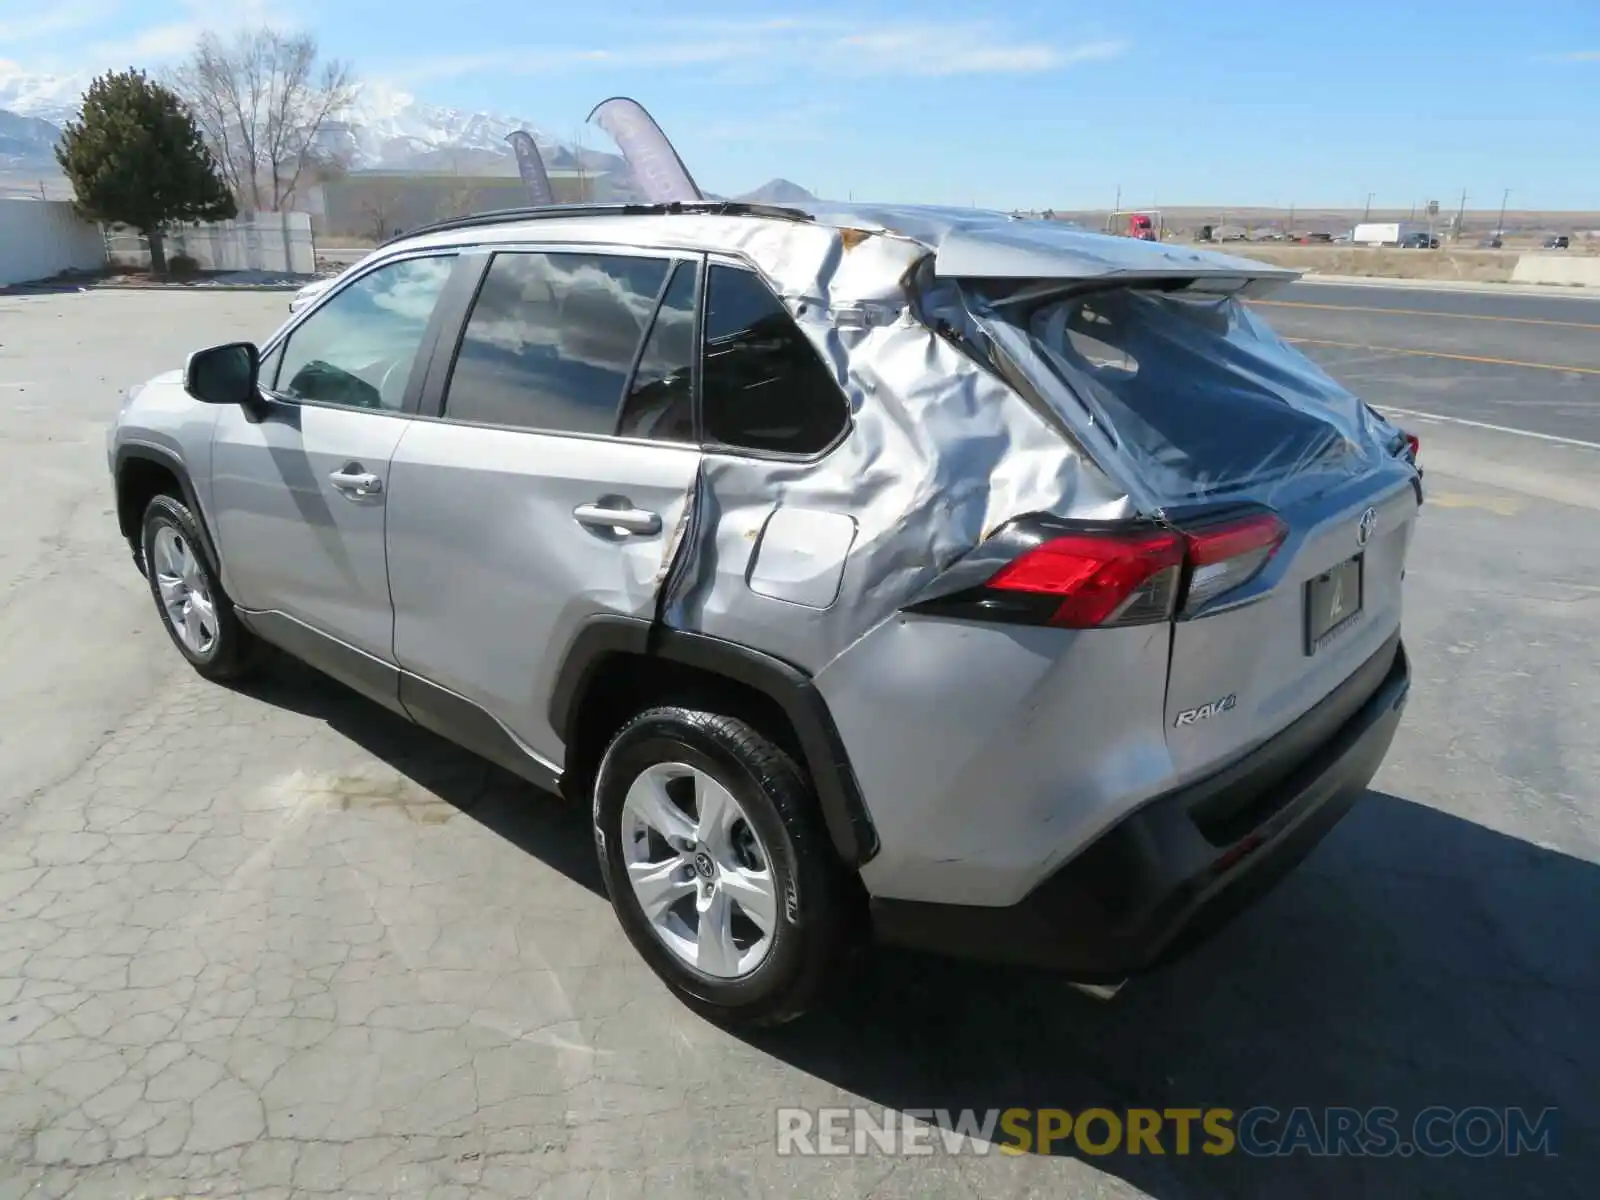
807 124
1581 56
960 50
58 18
147 47
822 45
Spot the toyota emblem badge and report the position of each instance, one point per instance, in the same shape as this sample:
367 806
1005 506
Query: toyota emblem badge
1369 522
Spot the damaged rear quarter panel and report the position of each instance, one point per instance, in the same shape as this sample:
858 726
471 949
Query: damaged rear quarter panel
939 452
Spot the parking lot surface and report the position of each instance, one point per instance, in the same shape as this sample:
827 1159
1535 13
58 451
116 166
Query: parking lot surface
273 941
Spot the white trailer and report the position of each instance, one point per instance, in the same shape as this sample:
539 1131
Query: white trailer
1384 233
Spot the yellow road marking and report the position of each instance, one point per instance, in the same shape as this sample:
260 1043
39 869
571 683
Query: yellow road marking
1502 506
1477 358
1424 312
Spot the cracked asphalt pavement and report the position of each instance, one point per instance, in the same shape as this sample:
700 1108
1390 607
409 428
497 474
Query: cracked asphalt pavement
274 941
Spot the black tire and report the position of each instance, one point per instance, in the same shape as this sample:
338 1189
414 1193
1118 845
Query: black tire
233 652
810 946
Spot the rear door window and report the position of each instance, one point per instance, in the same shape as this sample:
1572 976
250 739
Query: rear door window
763 386
551 340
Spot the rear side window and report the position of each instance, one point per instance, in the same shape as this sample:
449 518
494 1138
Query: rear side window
660 400
763 387
551 341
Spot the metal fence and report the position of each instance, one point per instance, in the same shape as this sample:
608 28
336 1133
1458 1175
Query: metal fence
275 242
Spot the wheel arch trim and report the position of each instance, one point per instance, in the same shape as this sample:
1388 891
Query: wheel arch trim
850 827
131 523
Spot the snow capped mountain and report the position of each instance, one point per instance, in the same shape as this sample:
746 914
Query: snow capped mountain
384 129
52 98
385 124
26 139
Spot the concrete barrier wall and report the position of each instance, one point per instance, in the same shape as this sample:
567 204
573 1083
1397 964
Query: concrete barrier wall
279 242
42 238
1573 270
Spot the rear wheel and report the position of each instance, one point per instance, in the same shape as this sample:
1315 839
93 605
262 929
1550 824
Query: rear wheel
718 866
196 612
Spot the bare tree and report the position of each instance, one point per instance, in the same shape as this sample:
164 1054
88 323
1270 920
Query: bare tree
263 102
459 200
380 208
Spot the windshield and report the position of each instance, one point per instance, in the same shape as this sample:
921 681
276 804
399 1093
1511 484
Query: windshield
1197 390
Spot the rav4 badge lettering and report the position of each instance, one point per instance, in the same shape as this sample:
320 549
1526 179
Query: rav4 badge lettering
1206 711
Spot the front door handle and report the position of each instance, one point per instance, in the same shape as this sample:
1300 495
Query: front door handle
633 520
352 481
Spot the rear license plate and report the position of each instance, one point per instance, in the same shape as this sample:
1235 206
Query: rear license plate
1333 602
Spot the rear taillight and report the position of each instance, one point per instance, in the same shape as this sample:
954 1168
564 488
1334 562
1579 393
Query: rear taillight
1413 444
1100 579
1225 556
1081 576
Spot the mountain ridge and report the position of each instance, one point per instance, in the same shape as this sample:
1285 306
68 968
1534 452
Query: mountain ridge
385 129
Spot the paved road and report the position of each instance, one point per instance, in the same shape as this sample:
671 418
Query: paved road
1524 362
275 942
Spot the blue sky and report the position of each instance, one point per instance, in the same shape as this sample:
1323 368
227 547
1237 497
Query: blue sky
1019 104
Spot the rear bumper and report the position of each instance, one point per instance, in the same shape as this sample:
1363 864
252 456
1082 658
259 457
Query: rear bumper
1178 868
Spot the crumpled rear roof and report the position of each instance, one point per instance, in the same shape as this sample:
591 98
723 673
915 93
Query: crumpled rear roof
976 243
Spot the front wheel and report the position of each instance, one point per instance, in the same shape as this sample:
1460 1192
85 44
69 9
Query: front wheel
196 612
718 867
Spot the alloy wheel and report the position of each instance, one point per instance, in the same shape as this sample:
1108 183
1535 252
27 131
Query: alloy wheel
185 597
699 871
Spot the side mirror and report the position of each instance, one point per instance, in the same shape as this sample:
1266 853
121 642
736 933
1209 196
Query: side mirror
223 374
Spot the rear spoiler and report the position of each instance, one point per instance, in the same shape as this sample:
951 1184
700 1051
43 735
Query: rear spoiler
1058 257
1029 291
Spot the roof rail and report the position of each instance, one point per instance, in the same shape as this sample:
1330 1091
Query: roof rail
504 216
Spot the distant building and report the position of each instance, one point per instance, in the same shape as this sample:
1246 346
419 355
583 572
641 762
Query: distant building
377 204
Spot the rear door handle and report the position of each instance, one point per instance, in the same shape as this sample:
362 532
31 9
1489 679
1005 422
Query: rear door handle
634 520
352 481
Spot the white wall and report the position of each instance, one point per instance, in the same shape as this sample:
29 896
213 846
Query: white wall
41 238
278 242
1574 270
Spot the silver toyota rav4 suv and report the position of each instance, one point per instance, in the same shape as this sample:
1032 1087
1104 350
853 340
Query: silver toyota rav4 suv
982 584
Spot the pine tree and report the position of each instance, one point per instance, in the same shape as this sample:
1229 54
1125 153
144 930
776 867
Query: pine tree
135 157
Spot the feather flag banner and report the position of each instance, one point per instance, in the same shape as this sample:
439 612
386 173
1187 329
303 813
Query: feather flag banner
531 167
656 167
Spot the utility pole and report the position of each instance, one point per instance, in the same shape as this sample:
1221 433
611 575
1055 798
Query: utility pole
1366 213
1461 216
1500 226
1117 207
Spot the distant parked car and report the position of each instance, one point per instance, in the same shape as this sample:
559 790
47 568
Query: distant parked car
1558 241
1419 241
1492 243
308 293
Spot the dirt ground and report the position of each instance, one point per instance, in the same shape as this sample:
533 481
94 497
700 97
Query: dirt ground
1478 266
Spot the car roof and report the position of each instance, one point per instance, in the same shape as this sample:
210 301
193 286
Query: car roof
965 242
